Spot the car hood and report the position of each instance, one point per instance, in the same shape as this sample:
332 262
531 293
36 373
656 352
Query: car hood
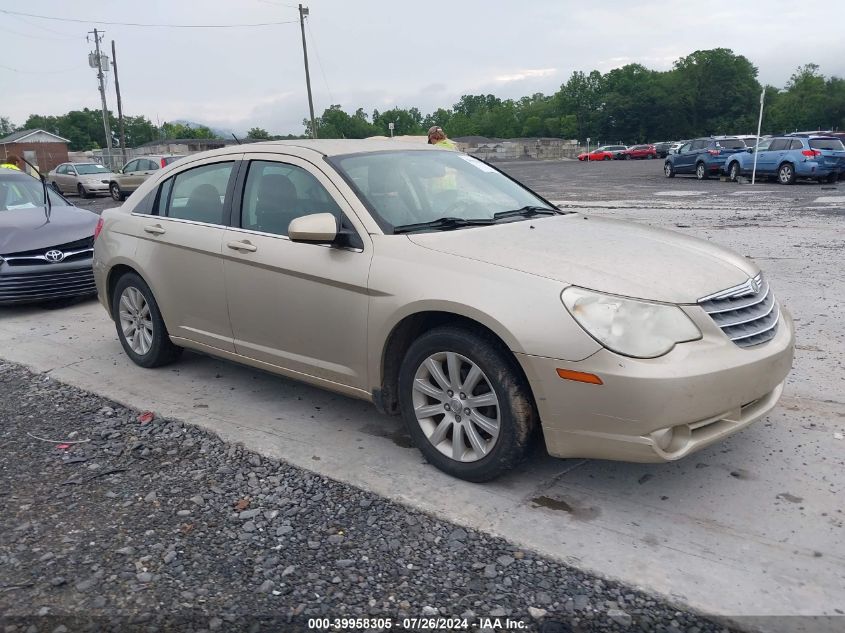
28 229
602 254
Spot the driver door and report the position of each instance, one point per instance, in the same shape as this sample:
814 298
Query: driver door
299 306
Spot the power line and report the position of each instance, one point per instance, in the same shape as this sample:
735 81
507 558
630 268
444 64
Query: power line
43 28
141 24
319 61
39 72
34 36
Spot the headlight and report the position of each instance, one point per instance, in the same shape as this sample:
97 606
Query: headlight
627 326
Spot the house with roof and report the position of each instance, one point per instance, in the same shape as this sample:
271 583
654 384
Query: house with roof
43 149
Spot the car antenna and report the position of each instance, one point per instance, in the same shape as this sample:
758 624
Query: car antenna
48 205
236 138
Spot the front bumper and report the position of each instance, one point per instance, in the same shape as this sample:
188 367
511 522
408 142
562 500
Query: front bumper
96 187
662 409
32 284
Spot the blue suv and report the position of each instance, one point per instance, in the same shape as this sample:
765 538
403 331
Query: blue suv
703 157
791 157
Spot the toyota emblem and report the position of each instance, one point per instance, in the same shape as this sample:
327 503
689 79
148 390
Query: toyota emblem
54 256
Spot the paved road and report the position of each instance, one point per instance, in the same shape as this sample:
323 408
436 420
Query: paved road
749 527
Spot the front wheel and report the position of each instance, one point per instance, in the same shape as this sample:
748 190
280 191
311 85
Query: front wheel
465 403
116 194
733 171
81 192
55 186
668 170
701 171
140 327
786 174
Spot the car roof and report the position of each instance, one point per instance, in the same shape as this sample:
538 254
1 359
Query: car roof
14 174
323 147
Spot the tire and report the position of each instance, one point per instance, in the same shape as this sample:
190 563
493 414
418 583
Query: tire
55 186
116 194
497 433
153 349
831 178
627 157
606 158
786 174
701 171
669 169
81 192
734 171
650 156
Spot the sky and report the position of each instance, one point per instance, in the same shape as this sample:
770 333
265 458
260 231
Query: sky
376 54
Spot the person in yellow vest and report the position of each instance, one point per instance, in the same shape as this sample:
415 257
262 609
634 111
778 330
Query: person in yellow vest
436 136
11 162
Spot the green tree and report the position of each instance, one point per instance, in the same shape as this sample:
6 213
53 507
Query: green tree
6 126
258 134
182 130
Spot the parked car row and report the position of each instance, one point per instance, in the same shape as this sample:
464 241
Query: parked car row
786 158
89 179
620 152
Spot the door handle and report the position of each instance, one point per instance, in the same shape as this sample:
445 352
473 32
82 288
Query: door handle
155 229
242 246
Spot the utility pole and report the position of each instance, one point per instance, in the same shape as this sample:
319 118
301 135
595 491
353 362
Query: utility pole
303 11
97 37
119 104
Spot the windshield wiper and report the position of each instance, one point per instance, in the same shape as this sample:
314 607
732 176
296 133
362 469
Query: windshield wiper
443 224
528 211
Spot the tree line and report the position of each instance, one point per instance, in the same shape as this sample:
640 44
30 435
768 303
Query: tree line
707 92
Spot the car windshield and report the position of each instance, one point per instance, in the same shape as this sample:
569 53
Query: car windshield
412 187
25 193
826 143
84 169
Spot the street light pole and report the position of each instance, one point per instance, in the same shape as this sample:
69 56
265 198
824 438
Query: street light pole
759 127
303 11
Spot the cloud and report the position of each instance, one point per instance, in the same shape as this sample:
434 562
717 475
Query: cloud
530 73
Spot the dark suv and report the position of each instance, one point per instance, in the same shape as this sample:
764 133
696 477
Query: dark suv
703 157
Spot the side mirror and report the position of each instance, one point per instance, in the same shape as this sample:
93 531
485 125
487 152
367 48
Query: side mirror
316 227
750 150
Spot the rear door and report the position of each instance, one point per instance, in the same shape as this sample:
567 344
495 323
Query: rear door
180 250
296 305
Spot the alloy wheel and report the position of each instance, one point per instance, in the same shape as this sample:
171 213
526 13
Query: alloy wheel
456 406
136 321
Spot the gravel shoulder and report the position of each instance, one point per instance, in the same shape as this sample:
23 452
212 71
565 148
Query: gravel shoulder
155 525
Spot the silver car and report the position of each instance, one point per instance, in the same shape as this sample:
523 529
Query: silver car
136 171
84 179
435 286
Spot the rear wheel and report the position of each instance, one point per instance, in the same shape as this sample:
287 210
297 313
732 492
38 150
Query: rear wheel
140 328
701 171
116 193
733 171
465 403
627 157
786 174
668 169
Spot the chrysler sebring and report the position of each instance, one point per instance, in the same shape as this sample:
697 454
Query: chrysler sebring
439 288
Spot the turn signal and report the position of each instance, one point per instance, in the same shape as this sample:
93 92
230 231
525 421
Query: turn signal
579 376
98 229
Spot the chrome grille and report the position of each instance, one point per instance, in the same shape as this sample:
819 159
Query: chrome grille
748 314
44 286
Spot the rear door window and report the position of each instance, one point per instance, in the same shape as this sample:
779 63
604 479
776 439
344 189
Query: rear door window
199 194
731 143
796 144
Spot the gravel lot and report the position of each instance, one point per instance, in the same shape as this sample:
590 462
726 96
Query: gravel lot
161 526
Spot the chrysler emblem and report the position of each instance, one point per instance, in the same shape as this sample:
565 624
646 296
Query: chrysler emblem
54 256
755 285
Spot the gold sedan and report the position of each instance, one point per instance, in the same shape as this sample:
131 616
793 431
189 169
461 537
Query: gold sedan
437 287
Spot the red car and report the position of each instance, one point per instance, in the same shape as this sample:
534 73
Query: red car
640 151
605 152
